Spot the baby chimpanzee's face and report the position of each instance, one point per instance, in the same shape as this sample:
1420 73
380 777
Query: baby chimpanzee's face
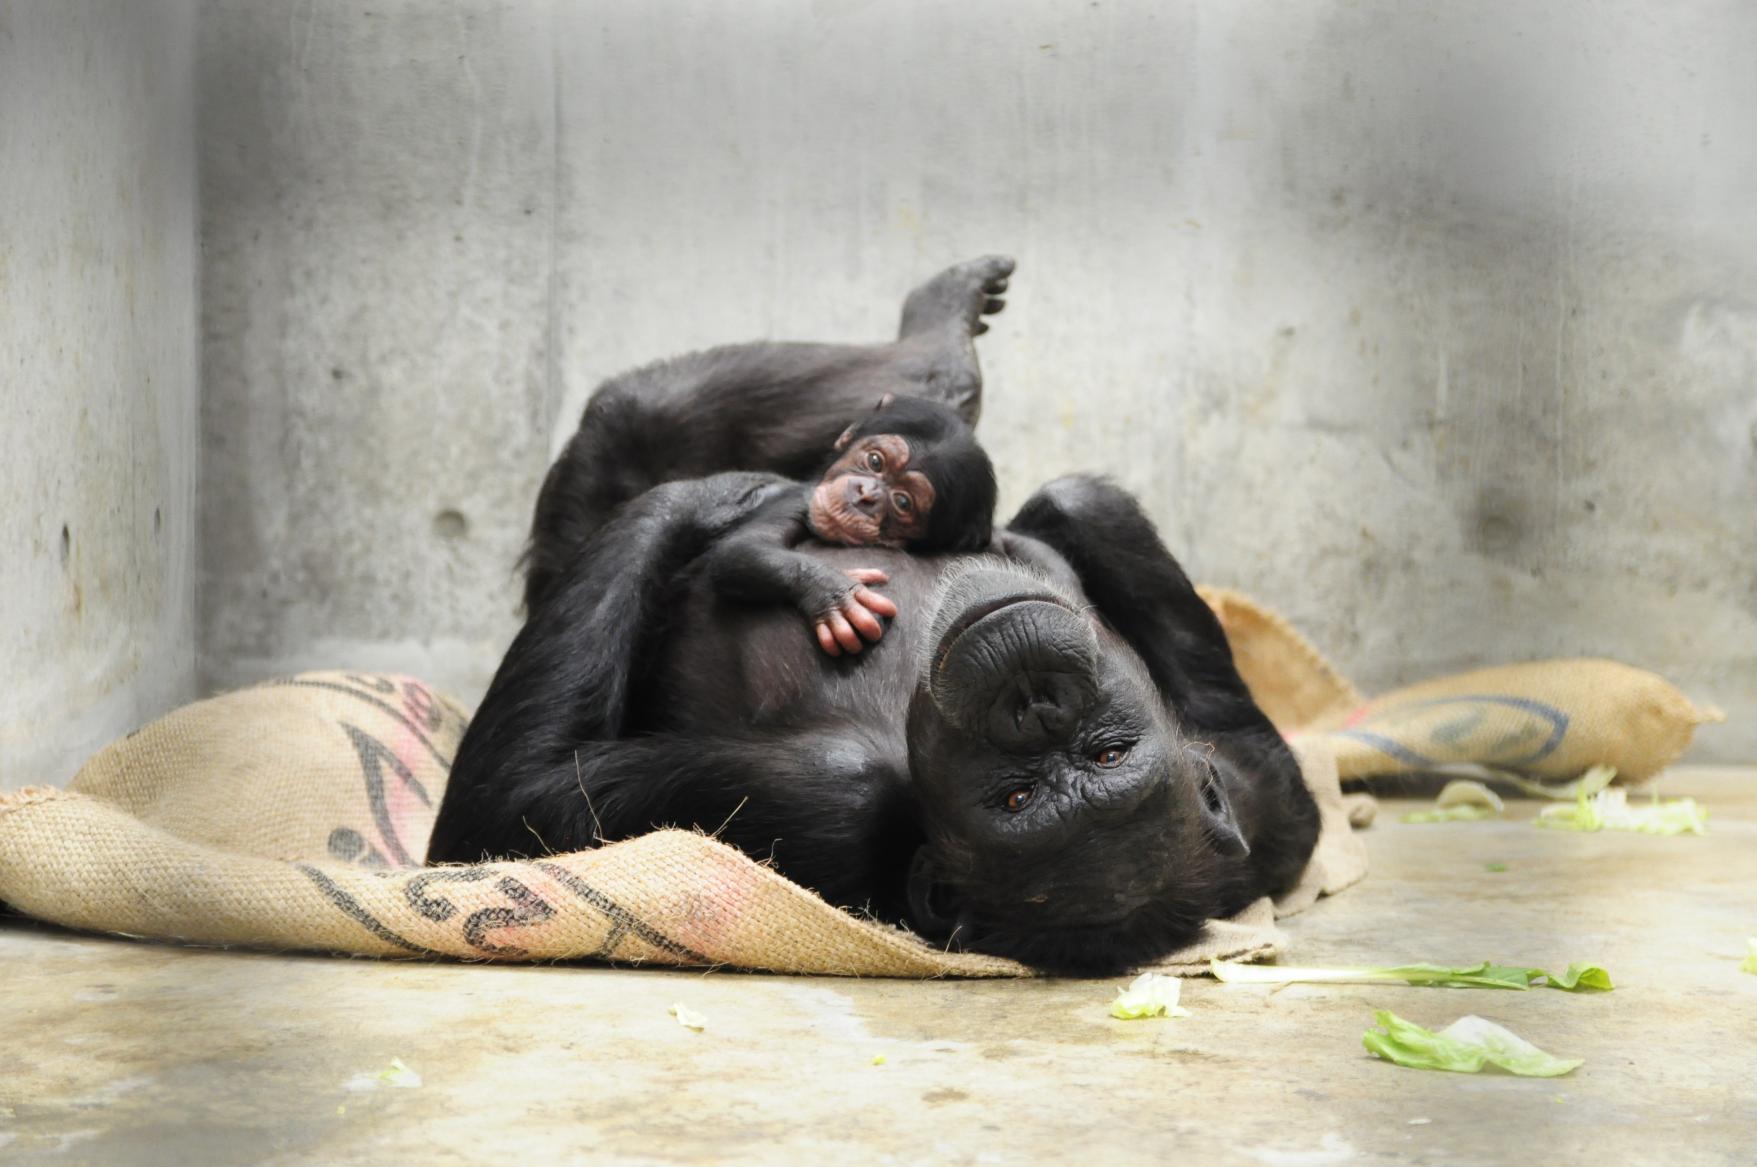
870 497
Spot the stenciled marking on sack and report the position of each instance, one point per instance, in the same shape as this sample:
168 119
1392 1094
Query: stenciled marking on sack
622 921
348 845
438 908
527 909
1487 728
357 911
391 805
378 703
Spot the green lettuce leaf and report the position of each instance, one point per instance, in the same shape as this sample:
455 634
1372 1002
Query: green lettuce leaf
1596 808
1749 964
1460 800
1579 977
1463 1047
1149 995
1465 813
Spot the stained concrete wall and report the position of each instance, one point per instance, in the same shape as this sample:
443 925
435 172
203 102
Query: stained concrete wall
98 375
1434 325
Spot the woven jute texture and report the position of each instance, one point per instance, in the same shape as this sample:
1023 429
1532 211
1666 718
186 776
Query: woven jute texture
1548 719
293 815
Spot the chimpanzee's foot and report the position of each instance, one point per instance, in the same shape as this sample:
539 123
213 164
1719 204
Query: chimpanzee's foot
958 296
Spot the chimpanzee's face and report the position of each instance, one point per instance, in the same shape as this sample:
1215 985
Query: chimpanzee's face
870 496
1065 813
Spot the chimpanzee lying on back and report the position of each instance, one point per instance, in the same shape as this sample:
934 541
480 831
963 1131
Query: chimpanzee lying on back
1049 756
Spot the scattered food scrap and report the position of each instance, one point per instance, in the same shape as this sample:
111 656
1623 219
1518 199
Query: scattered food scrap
1149 995
395 1076
1577 978
1749 964
1598 809
878 1059
688 1018
1464 1047
1460 800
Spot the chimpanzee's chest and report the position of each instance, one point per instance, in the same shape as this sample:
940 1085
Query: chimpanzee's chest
723 662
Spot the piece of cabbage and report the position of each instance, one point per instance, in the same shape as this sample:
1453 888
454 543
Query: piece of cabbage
1149 995
1577 978
1600 809
687 1017
1464 1047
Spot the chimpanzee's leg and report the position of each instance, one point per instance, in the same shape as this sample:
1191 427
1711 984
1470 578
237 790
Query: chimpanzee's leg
763 406
942 317
1142 593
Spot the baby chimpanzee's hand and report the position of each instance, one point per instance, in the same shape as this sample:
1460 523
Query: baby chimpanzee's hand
855 615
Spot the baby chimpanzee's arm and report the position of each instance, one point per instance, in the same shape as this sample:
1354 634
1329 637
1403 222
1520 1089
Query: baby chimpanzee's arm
759 563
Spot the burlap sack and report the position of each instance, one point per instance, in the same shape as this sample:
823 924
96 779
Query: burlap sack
289 815
1548 719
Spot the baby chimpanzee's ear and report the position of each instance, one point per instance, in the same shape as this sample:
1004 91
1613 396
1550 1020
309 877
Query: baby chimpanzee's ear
847 436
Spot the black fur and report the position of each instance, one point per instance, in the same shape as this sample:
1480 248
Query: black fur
1074 661
945 449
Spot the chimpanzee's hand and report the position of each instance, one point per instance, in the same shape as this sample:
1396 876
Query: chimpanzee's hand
855 614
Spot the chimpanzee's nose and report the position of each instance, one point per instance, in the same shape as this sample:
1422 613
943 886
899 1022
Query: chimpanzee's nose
863 493
1045 707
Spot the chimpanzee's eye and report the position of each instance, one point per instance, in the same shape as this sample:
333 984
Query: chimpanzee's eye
875 461
1019 797
902 503
1110 756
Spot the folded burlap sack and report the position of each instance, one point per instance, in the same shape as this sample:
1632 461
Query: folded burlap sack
294 815
1548 719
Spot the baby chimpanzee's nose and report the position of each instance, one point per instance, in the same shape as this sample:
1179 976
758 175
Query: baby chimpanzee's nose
863 493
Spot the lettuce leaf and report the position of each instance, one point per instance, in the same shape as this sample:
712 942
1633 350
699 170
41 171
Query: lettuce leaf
687 1017
1749 964
1596 808
1149 995
1463 1047
1460 800
1577 978
1450 814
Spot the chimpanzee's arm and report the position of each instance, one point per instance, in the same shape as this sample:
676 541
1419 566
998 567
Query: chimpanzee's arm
758 564
826 812
1142 593
565 681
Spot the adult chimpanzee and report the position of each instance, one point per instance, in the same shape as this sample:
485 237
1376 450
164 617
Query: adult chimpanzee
1050 756
909 476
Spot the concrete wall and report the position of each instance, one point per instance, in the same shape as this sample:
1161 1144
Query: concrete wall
98 375
1434 325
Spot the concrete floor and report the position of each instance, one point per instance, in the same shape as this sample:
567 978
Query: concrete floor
118 1051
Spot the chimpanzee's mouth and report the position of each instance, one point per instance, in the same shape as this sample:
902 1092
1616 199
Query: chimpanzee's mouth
974 615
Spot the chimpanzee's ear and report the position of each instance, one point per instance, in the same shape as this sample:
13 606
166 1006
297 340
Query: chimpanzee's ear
884 403
933 908
842 442
1217 813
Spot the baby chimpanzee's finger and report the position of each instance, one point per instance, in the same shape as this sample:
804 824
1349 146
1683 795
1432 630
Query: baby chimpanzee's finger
844 632
868 575
883 605
825 640
864 622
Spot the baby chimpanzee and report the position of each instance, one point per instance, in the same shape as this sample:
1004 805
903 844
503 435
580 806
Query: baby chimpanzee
909 476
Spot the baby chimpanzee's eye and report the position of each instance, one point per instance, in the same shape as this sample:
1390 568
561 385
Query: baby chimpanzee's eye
875 461
902 503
